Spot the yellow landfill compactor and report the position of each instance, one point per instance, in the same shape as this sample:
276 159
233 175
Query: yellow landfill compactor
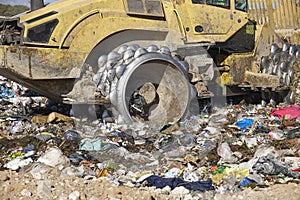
147 60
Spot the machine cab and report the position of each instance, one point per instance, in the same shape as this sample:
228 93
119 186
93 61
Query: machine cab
211 20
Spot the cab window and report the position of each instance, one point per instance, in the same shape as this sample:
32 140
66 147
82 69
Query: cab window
241 5
219 3
144 7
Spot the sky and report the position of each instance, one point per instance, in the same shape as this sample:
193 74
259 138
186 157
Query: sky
21 2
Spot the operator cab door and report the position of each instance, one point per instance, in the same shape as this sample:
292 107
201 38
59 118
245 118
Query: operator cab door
210 20
214 17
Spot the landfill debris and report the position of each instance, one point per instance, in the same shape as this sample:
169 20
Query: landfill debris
71 135
234 148
246 182
293 133
245 123
57 117
39 119
17 163
226 154
54 158
161 182
291 112
94 145
268 165
223 172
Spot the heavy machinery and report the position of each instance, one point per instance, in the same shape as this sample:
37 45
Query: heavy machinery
147 60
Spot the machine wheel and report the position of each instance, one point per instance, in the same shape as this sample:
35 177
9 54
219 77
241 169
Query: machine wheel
284 63
142 84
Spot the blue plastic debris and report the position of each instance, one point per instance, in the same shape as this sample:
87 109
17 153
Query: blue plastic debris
246 181
245 123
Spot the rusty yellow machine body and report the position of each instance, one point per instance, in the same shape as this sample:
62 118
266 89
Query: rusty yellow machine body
54 41
48 48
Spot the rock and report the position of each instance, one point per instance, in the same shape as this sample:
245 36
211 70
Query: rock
38 170
166 190
54 158
3 176
179 191
43 189
148 91
74 195
72 171
26 193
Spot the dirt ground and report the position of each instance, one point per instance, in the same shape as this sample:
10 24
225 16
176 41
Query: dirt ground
21 185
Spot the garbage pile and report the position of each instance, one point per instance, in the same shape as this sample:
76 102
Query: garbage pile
240 146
